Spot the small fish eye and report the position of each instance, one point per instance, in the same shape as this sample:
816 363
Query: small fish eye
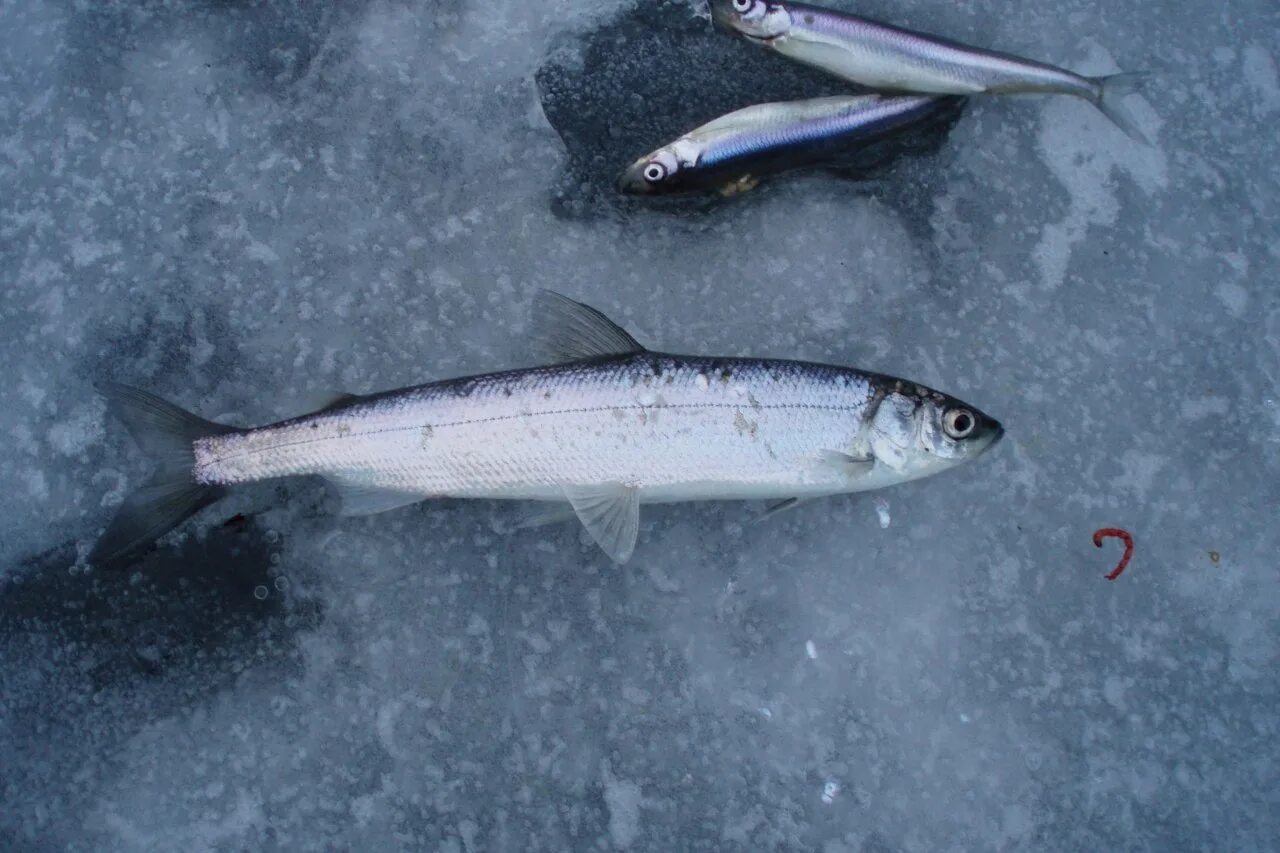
742 6
654 172
959 423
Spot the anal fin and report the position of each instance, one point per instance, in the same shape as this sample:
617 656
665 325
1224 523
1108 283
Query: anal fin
361 498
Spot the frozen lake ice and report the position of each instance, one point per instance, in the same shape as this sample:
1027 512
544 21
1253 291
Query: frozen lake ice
239 205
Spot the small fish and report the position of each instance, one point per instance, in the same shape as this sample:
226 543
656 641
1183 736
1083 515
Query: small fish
733 152
604 428
891 59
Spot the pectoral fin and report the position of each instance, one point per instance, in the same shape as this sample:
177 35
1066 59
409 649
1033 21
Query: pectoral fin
744 184
780 507
611 514
852 466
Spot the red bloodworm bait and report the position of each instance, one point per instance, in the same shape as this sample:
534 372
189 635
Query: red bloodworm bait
1116 533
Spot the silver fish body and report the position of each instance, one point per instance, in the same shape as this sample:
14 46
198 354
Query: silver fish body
893 59
741 147
615 427
675 427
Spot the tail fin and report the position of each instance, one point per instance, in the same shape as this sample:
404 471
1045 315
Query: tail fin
1110 99
172 495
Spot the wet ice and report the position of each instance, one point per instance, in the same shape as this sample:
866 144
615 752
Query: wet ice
239 206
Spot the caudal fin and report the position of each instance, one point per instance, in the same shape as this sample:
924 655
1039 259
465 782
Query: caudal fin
1112 92
171 496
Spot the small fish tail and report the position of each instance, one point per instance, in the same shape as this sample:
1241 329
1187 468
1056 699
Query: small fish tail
1110 98
172 495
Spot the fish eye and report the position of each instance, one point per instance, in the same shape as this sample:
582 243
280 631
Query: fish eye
959 423
654 172
742 6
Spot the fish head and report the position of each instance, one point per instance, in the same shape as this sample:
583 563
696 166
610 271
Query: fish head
917 432
654 174
756 20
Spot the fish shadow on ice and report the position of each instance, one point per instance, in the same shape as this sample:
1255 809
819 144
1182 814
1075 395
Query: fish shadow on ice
195 594
91 657
215 598
656 72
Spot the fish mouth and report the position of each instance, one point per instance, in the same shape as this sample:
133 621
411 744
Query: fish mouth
722 16
997 433
766 31
632 182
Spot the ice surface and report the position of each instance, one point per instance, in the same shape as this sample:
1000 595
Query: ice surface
238 205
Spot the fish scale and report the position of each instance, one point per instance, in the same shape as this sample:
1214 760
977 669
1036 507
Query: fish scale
808 121
659 423
606 427
892 59
767 138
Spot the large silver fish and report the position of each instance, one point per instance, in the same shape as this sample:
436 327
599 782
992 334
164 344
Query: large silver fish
734 151
891 59
605 428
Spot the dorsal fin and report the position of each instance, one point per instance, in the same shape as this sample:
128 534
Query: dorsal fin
564 330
